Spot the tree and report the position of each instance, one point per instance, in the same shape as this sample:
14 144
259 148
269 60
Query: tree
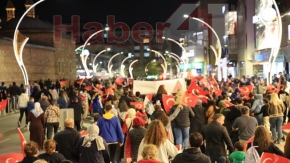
153 68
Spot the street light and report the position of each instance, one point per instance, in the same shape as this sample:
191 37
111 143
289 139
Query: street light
95 66
123 66
219 53
99 31
81 47
109 69
131 69
164 60
84 57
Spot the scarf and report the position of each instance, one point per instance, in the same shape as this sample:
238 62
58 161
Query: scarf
93 135
37 110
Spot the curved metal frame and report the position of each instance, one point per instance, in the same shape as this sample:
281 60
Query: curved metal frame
111 61
131 69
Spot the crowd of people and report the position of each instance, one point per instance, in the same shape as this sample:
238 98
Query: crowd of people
209 132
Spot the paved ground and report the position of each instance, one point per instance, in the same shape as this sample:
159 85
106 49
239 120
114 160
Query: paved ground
10 142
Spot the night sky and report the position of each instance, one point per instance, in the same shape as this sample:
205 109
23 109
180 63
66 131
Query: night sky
128 11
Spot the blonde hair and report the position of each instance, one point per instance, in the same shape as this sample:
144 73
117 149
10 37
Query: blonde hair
275 99
131 113
262 138
149 152
40 161
49 146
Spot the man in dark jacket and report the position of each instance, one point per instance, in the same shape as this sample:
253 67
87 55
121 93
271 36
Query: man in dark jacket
78 111
216 137
192 154
67 139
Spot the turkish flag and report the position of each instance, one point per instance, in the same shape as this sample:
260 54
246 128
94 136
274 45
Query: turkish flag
177 86
11 158
217 91
63 83
84 133
22 141
3 104
150 96
212 81
119 81
138 105
190 99
273 158
228 104
168 102
202 98
286 127
80 81
246 90
89 88
204 82
195 89
193 79
247 142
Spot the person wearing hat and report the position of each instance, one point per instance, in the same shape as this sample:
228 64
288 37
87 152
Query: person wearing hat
134 139
181 123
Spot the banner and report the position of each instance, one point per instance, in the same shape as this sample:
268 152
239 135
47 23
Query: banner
11 158
151 87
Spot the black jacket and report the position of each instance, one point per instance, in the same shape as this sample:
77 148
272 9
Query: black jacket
197 122
191 155
183 118
28 159
216 137
78 110
66 141
53 158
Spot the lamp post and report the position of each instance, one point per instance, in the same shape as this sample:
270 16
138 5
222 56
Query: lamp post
111 61
95 66
131 69
185 59
81 47
164 60
123 66
94 34
146 69
219 53
84 57
19 42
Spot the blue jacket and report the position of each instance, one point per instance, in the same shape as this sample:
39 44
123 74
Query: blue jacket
96 105
30 106
62 103
110 128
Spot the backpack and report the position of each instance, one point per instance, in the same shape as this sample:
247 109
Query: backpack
252 155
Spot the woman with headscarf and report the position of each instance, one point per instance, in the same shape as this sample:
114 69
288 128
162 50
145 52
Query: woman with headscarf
36 125
92 147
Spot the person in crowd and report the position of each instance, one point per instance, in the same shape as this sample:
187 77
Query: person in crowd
181 123
44 103
235 95
149 154
210 112
276 110
53 93
36 125
138 97
122 111
97 104
63 100
193 153
238 156
127 125
111 131
217 137
157 98
78 111
282 94
13 94
92 147
85 103
245 125
67 139
199 119
256 108
126 98
157 107
261 87
134 139
22 104
156 135
30 105
50 155
52 118
235 111
251 99
265 112
263 143
31 151
45 92
96 118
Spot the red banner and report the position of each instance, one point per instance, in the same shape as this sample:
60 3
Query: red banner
150 96
273 158
138 105
3 104
228 104
168 102
11 158
246 90
190 99
22 141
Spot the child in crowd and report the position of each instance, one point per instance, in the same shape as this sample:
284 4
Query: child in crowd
238 156
30 104
149 154
96 118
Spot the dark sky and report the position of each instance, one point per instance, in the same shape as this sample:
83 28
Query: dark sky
129 11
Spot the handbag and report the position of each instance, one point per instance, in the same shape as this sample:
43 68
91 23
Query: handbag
234 134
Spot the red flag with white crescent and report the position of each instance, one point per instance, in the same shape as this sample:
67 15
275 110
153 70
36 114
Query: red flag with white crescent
246 90
204 82
3 104
195 89
22 141
212 81
273 158
138 105
150 96
228 104
190 99
63 83
119 81
168 102
11 158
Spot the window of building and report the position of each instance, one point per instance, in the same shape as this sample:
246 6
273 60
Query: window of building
137 54
136 47
146 54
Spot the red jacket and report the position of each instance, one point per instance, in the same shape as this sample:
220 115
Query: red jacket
148 161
